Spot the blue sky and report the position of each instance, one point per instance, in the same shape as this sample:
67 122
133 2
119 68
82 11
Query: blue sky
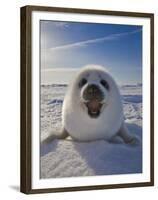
73 45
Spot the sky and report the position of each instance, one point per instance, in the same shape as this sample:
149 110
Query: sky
70 45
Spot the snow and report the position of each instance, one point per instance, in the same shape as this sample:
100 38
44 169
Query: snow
68 158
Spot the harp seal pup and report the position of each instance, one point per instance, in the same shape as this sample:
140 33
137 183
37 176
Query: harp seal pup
93 109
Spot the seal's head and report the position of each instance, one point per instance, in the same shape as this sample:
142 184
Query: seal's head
94 88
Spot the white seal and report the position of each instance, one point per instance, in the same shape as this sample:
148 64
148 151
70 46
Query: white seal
93 109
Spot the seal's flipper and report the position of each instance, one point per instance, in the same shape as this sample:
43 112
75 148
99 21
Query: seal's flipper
116 140
126 136
55 135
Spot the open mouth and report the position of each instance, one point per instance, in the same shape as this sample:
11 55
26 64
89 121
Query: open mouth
94 108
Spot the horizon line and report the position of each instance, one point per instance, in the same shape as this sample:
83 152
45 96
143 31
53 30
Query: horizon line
59 69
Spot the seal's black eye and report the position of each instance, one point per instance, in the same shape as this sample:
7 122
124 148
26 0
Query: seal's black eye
82 82
105 84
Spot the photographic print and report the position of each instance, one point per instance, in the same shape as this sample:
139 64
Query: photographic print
91 91
91 100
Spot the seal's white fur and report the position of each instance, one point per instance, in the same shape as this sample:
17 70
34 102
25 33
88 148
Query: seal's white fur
78 123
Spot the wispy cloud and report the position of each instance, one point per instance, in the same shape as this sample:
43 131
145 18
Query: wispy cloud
61 24
93 41
57 24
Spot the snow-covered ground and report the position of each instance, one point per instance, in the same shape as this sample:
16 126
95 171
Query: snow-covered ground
67 158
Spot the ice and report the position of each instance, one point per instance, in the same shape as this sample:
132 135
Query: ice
67 158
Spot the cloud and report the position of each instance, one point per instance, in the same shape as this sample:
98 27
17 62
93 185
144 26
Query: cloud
61 24
57 23
93 41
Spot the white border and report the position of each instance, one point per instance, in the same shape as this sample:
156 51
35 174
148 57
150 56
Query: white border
38 183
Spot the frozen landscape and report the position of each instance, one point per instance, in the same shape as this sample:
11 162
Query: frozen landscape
67 158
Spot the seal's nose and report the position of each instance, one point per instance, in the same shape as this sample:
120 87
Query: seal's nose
92 89
93 92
